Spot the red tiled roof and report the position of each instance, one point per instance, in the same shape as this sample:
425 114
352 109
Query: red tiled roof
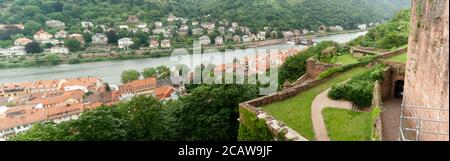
164 92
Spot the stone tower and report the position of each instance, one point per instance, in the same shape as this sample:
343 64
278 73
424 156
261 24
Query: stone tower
426 90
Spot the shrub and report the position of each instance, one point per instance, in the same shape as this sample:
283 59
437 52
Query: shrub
359 90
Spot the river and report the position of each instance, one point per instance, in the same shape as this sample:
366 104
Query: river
109 71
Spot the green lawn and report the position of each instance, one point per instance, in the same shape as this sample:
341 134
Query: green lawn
296 111
402 58
347 125
346 59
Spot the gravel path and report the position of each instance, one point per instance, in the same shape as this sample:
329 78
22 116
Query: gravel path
320 102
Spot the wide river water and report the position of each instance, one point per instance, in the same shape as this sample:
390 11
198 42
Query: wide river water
109 71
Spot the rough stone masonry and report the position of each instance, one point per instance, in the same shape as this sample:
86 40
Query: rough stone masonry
427 69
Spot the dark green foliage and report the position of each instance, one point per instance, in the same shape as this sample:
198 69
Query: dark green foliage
277 14
358 90
142 119
33 47
210 112
295 66
149 72
129 75
73 45
391 34
253 129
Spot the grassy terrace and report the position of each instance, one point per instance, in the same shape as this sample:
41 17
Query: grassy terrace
402 58
296 111
346 125
346 59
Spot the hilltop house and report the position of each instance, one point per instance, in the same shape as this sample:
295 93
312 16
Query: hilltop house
221 30
297 33
133 19
22 41
125 43
86 24
274 34
208 25
121 27
234 25
52 41
154 44
158 24
236 38
78 37
143 27
305 31
19 26
165 43
182 33
219 41
245 39
42 35
167 34
262 35
59 50
336 28
99 39
197 31
245 30
55 24
172 18
231 30
12 51
184 27
253 37
287 35
322 29
362 26
205 40
61 34
194 23
159 30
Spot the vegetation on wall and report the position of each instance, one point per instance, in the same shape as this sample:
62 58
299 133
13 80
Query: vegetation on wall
252 128
391 34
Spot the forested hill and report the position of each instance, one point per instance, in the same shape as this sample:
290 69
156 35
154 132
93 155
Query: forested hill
304 13
284 14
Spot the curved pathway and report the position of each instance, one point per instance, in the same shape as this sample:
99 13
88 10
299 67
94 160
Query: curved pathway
320 102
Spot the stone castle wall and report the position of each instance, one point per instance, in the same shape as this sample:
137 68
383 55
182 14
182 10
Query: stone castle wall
314 67
427 69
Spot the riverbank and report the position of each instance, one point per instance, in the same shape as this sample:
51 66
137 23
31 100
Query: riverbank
117 55
110 69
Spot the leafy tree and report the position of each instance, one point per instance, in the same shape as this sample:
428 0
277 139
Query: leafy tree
210 112
31 27
130 75
149 72
141 119
112 36
87 37
73 45
33 47
163 72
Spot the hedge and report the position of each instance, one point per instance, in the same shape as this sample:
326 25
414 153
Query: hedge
358 90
